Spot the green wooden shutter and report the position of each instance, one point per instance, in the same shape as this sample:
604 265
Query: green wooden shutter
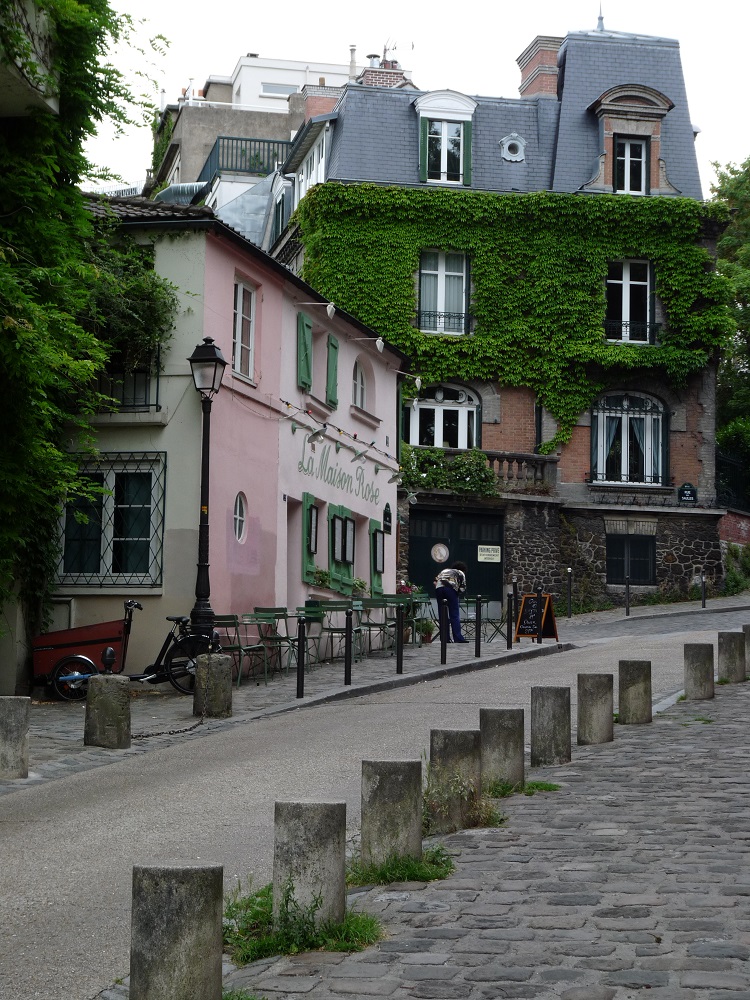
423 149
376 579
334 566
308 557
467 153
332 373
651 315
304 352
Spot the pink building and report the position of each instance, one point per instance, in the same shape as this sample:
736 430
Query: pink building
303 445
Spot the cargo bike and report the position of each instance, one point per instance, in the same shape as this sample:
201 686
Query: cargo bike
66 659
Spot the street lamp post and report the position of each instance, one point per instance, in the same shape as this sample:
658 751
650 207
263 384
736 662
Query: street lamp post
207 366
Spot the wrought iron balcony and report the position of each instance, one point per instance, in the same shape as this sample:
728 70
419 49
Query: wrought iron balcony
627 332
132 391
243 156
443 322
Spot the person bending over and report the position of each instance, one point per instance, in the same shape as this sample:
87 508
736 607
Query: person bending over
449 583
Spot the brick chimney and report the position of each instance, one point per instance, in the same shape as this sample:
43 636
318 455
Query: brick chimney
319 100
382 73
538 64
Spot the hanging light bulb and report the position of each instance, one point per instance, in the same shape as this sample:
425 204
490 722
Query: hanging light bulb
330 309
418 383
380 344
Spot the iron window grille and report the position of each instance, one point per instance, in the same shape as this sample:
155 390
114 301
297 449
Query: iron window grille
116 537
132 391
629 440
631 557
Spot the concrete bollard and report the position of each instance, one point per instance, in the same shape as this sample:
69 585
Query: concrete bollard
699 671
14 736
455 778
550 726
501 746
596 703
391 810
309 856
634 687
213 686
176 933
732 657
746 633
107 721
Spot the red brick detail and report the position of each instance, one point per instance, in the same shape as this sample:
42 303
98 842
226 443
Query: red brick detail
575 458
375 77
515 428
735 528
538 64
319 106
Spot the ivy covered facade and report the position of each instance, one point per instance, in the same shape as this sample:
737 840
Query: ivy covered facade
547 264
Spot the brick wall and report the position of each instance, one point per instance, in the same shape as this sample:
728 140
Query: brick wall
514 429
735 527
575 457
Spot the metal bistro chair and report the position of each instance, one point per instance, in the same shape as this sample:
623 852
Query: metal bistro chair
334 628
253 647
234 641
314 617
376 623
280 643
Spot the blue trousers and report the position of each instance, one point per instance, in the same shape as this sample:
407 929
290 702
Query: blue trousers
454 619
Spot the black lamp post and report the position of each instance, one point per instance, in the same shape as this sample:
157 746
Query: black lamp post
207 365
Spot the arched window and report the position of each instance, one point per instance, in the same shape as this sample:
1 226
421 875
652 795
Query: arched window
628 439
446 416
359 386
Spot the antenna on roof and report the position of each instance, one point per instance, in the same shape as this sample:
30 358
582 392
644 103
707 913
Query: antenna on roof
600 20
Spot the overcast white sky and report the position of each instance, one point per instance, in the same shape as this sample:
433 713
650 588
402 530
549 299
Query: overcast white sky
471 49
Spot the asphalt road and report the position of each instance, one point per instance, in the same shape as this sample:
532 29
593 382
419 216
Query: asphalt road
68 846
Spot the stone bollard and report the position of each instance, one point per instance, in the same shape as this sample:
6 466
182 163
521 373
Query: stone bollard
107 712
309 857
732 657
699 670
550 726
14 736
213 686
634 707
454 780
176 933
501 743
596 703
391 810
746 633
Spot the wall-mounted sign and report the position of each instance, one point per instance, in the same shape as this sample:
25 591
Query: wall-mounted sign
489 553
687 493
356 483
387 519
440 552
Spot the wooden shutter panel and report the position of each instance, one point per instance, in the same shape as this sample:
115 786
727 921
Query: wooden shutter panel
304 352
332 373
423 149
467 154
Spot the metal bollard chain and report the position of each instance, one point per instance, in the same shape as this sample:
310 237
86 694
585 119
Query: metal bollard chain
176 732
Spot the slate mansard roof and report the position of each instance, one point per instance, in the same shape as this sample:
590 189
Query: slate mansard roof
375 131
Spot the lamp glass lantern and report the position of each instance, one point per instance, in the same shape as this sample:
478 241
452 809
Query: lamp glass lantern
207 365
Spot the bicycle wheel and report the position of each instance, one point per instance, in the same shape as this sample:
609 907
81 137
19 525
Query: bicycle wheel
72 667
179 663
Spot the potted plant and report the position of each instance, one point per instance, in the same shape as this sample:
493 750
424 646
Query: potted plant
321 577
359 587
426 629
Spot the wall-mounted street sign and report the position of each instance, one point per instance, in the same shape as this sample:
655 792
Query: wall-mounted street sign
687 493
489 553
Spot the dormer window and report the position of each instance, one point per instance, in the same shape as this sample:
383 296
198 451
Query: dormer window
631 117
445 137
513 148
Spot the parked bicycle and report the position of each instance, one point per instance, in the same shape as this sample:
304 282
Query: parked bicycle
61 660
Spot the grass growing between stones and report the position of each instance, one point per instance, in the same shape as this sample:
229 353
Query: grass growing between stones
502 789
443 789
435 863
698 718
240 995
250 932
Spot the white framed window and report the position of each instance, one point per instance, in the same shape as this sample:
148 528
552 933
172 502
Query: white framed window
631 165
628 439
313 168
442 292
445 151
243 341
115 536
359 386
278 89
240 516
445 417
629 302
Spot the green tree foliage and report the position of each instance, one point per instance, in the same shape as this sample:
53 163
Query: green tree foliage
59 279
733 410
538 270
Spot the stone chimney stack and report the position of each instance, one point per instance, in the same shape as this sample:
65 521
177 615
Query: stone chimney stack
538 64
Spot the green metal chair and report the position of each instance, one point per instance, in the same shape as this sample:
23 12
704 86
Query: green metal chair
333 632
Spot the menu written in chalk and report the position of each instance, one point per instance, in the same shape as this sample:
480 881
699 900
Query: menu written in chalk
527 625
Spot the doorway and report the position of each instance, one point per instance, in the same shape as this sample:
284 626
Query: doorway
438 539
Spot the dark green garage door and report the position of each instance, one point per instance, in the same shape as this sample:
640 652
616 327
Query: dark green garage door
475 539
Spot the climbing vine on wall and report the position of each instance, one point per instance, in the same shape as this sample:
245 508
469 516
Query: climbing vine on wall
538 270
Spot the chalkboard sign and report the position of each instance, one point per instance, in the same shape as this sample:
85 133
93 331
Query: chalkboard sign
527 625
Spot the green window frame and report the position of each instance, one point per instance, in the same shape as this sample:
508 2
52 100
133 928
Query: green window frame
465 150
341 536
377 557
304 352
332 373
310 524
